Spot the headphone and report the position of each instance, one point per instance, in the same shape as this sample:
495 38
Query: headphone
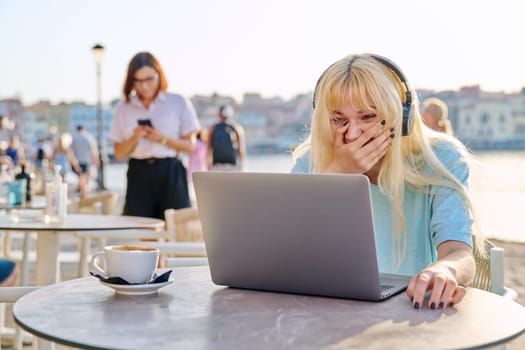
406 92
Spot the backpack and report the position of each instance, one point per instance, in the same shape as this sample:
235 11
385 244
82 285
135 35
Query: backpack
40 155
224 144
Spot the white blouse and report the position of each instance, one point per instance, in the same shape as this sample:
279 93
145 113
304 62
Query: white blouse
172 114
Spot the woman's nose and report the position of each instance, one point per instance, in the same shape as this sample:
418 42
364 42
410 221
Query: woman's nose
353 131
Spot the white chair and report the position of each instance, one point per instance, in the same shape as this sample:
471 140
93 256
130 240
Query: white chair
10 295
19 246
490 271
183 243
182 262
183 225
102 203
96 203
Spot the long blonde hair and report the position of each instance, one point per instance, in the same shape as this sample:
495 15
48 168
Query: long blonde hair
369 84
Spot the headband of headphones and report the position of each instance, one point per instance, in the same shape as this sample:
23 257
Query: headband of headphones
406 91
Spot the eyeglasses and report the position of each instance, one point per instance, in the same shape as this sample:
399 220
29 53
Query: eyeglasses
147 80
338 122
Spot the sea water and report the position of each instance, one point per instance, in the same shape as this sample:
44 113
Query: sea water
497 184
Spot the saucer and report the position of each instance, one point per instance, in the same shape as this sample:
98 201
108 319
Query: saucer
136 289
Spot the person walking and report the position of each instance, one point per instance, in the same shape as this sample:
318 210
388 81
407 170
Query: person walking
85 150
15 150
226 142
42 156
64 157
151 126
198 158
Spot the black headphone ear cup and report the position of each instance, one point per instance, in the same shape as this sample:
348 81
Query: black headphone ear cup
407 120
407 101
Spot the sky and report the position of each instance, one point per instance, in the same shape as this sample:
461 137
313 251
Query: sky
273 47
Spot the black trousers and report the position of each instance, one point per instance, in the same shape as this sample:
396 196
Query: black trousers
154 185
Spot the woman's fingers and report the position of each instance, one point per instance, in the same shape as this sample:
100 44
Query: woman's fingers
362 153
418 286
376 149
445 290
340 135
458 295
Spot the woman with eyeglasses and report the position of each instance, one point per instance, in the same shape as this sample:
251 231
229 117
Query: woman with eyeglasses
366 121
150 127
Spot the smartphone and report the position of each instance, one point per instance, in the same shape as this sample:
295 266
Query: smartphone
145 122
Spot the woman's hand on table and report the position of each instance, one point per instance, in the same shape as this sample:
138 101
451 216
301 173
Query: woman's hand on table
441 281
446 278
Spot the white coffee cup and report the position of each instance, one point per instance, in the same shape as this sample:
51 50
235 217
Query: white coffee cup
134 263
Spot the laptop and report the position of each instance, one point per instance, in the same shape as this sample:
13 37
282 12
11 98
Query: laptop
307 234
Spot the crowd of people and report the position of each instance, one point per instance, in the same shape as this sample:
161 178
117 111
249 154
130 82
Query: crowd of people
66 152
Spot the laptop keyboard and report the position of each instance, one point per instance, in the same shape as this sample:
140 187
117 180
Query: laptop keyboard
385 287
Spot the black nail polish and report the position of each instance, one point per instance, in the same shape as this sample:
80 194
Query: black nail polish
433 306
391 129
392 135
417 305
383 122
345 123
451 304
411 299
441 305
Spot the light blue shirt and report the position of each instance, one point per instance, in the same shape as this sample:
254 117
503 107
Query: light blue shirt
84 147
431 218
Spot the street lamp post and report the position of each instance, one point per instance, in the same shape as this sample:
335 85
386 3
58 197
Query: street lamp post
98 52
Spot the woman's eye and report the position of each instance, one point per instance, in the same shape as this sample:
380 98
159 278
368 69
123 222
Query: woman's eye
368 117
338 121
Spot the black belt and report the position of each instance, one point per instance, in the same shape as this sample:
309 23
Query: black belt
152 160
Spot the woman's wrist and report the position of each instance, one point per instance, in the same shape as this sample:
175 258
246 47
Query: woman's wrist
333 168
163 140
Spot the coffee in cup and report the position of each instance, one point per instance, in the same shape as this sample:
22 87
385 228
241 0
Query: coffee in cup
134 263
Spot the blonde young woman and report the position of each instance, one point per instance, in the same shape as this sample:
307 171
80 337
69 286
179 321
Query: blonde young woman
366 121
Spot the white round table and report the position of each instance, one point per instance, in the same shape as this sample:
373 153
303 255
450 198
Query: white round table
47 238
